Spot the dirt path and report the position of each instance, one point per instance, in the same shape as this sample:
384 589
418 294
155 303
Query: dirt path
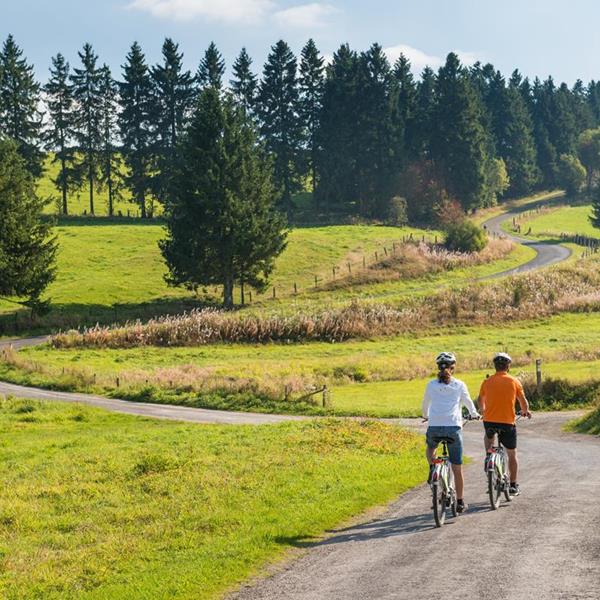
542 546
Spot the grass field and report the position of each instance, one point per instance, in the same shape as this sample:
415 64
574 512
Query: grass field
99 505
552 223
380 377
590 423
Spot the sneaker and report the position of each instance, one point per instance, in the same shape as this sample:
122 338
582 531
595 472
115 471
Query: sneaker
514 489
461 506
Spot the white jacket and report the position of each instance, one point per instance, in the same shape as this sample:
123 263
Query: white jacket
442 403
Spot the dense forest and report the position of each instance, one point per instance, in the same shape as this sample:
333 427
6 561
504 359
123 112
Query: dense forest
365 136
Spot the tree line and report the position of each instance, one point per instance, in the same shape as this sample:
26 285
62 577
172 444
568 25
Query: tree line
357 132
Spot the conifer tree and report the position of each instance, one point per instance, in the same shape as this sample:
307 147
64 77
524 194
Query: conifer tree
20 119
59 134
211 69
375 161
542 114
136 126
513 134
222 226
459 144
423 122
87 123
337 184
27 250
280 125
244 84
173 100
110 159
311 82
405 109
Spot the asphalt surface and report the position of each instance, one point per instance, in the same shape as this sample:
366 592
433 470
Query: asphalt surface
547 254
544 545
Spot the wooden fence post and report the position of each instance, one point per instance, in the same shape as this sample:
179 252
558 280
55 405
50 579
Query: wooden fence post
295 288
274 292
538 374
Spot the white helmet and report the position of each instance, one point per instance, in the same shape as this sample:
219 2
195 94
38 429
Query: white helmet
445 358
502 358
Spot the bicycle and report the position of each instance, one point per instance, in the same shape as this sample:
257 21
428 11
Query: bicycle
443 492
496 469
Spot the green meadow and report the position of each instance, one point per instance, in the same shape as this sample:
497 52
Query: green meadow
100 505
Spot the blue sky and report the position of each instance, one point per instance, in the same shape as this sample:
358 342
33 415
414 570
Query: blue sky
539 37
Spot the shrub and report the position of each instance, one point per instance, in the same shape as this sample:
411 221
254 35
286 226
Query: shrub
571 173
397 212
465 236
558 394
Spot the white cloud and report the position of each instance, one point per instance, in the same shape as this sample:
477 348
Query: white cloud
419 59
232 11
305 16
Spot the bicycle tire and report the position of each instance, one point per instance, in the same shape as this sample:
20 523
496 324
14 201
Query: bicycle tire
453 499
439 505
506 482
493 489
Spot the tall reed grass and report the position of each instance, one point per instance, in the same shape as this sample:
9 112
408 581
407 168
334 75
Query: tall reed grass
521 297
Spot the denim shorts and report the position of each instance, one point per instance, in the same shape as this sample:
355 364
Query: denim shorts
455 447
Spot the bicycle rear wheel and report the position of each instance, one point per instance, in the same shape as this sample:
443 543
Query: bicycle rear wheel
439 505
494 489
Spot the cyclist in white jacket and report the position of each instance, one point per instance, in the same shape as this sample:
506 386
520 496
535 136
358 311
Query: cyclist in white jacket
442 406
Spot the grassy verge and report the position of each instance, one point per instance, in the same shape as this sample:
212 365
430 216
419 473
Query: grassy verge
98 505
589 423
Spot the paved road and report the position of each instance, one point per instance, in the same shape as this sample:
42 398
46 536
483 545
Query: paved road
545 545
547 253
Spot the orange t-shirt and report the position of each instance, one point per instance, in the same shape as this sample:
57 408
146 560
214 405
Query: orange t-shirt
500 392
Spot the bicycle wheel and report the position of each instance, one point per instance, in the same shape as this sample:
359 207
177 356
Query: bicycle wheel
494 489
439 504
506 482
453 500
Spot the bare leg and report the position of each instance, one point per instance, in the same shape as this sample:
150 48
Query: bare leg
513 465
458 481
488 442
430 454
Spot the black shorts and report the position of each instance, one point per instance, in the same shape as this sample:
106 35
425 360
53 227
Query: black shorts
507 434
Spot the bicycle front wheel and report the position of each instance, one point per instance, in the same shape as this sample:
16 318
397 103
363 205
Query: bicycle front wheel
439 505
494 489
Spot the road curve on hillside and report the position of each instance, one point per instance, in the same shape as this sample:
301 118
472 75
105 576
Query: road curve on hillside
544 545
547 253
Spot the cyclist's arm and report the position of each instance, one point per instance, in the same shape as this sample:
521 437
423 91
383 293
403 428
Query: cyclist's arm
524 404
482 399
426 403
465 398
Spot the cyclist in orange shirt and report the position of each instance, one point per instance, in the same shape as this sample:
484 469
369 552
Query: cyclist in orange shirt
497 399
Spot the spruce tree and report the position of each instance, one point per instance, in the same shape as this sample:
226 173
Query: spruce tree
542 115
222 226
376 160
173 99
459 145
244 83
87 122
20 118
280 124
424 110
110 159
136 126
27 250
595 216
311 81
405 109
211 69
338 180
513 134
60 133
